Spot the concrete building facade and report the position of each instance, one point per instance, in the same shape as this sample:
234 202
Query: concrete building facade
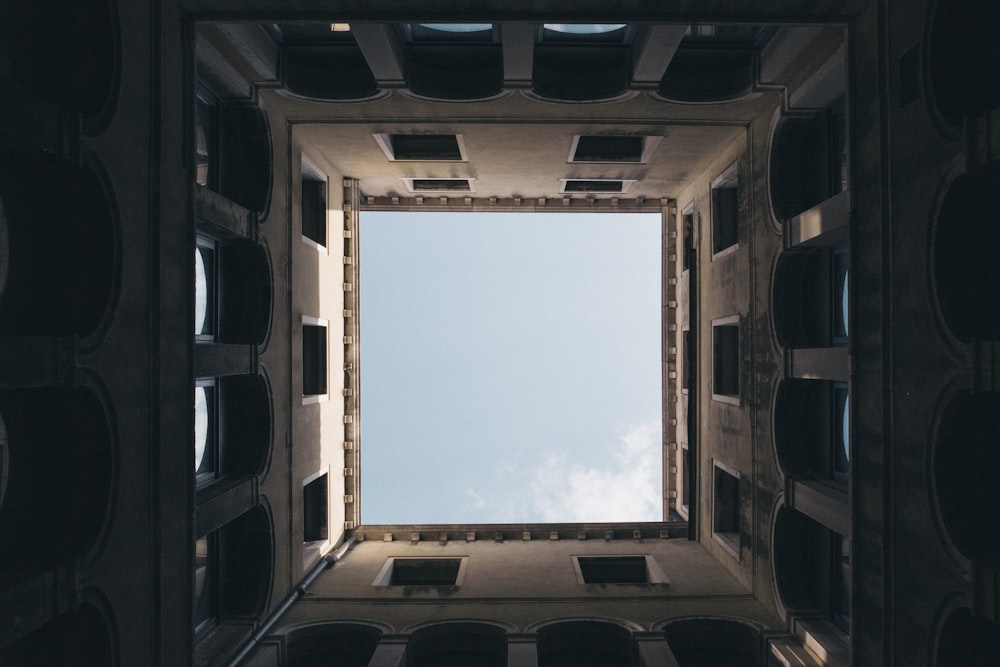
180 189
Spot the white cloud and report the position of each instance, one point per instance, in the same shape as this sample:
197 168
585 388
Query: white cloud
627 489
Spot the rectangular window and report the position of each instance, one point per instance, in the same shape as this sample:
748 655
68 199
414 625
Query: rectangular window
686 476
314 353
726 509
314 216
840 434
618 570
432 147
614 570
725 211
206 138
595 185
206 432
206 591
438 184
421 572
838 296
596 148
687 221
726 359
314 510
206 289
687 369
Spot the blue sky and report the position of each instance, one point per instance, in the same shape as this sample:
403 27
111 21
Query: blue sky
510 367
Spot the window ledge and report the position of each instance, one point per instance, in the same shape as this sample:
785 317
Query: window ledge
315 398
726 251
322 249
726 398
725 540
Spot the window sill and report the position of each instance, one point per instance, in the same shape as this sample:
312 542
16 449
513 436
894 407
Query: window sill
730 542
729 250
320 248
727 398
315 398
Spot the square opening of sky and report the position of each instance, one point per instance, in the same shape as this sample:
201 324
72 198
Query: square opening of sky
510 367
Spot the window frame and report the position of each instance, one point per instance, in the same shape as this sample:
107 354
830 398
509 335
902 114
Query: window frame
723 229
384 578
213 296
311 174
729 539
653 573
324 351
213 443
732 322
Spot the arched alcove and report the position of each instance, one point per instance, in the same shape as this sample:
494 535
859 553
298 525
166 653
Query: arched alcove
245 425
246 284
66 52
962 53
965 267
341 644
245 161
708 75
811 430
967 641
811 568
327 72
57 469
585 644
60 231
810 296
966 457
807 162
80 638
458 645
452 72
715 642
580 73
246 545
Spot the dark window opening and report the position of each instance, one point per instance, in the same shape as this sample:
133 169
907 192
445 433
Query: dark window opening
726 512
314 210
608 149
313 360
206 139
840 581
206 432
613 569
433 184
725 217
206 583
687 369
838 297
314 510
726 370
688 224
206 289
425 571
593 186
425 147
685 484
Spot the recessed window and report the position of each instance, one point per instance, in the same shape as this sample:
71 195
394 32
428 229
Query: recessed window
438 184
618 570
687 368
315 521
597 148
726 359
205 289
726 509
206 144
585 33
206 594
314 365
685 477
314 216
449 32
206 431
687 223
725 211
421 572
838 299
422 147
595 185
